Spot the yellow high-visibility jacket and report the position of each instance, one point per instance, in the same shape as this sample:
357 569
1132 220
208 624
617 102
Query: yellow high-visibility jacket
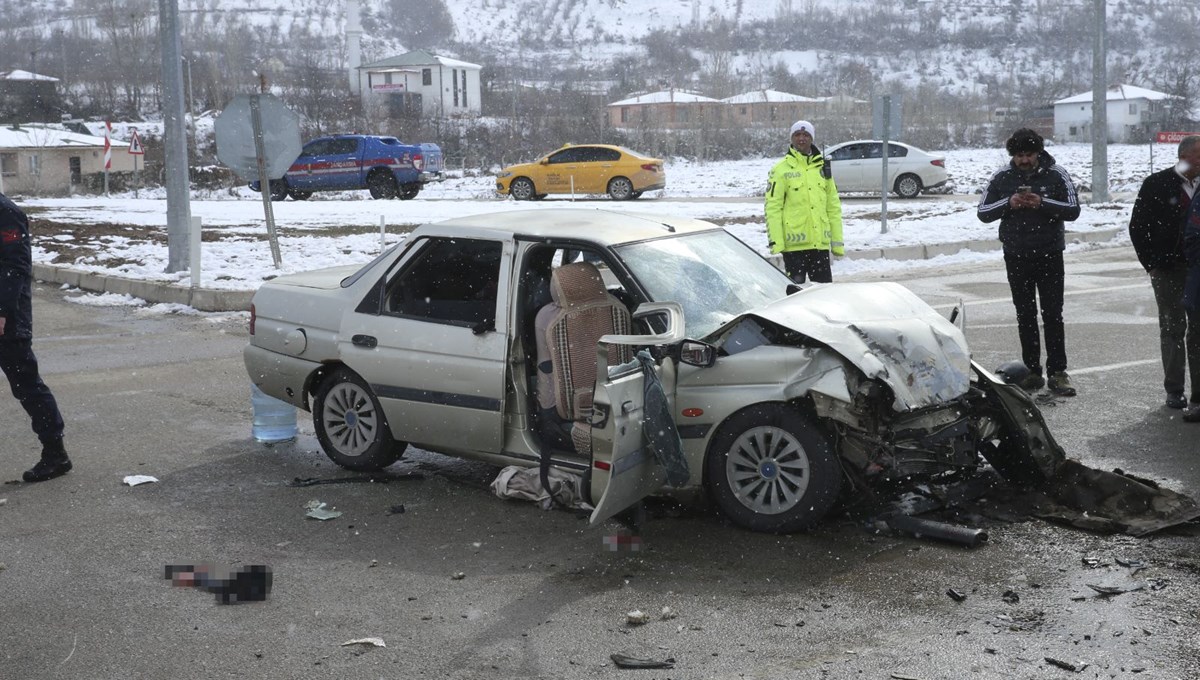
802 205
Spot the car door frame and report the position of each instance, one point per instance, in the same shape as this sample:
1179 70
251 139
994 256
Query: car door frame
429 404
623 470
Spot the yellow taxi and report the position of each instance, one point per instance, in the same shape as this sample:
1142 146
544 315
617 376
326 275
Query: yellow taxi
584 169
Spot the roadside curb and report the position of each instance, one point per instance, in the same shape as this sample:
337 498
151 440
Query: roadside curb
202 299
211 300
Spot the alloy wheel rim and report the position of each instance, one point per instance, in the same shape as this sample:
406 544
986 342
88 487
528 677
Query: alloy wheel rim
350 420
768 470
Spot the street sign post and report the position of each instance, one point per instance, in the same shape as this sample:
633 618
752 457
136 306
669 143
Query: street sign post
135 150
107 153
257 136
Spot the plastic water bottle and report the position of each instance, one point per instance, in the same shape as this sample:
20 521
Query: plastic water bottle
274 420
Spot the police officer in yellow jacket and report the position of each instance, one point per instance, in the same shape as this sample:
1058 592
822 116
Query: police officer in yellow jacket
804 214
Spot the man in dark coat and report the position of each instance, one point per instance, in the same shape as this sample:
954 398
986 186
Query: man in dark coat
1032 197
16 343
1156 229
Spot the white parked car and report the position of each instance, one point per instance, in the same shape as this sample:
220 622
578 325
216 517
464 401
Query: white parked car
858 166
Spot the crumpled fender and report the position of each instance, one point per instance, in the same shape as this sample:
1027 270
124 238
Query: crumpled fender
1027 453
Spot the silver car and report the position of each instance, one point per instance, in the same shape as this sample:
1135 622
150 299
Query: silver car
777 399
858 166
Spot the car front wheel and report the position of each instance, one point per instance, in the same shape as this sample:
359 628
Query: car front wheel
350 424
620 189
769 468
908 186
522 189
279 189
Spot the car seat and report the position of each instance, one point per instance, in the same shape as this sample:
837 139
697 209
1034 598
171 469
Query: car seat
581 311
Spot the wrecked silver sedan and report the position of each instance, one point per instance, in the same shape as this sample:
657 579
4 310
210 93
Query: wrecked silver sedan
642 354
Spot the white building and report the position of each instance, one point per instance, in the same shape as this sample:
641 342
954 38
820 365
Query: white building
1134 115
420 83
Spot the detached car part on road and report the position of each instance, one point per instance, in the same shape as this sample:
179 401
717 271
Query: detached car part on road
782 401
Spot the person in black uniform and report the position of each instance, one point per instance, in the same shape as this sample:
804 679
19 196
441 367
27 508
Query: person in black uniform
1032 197
16 343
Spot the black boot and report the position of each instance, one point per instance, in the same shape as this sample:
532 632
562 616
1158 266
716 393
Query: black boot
54 463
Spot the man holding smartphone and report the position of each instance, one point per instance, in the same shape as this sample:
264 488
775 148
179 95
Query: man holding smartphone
1033 197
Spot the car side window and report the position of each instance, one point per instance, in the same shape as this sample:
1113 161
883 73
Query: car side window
450 280
607 155
846 153
344 146
317 148
897 151
873 150
565 156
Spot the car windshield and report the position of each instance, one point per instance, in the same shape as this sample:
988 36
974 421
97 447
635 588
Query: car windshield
713 275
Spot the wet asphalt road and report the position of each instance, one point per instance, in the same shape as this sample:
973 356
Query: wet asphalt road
82 593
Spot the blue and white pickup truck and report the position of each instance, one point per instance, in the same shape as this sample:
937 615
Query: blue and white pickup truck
385 166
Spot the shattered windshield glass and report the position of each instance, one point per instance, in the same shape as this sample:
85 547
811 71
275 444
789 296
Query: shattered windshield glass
712 274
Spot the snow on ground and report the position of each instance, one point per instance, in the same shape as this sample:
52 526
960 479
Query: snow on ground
343 228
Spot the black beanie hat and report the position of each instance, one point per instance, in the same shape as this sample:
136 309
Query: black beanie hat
1024 141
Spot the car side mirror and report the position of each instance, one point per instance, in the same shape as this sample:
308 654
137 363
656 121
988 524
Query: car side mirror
793 288
544 161
696 353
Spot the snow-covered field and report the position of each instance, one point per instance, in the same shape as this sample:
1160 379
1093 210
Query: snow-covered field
343 228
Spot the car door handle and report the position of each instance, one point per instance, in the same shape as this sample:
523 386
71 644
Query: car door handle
367 341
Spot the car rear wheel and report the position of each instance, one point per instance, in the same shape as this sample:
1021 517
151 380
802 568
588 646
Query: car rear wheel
298 195
350 424
409 191
521 189
279 189
769 468
908 186
382 185
620 189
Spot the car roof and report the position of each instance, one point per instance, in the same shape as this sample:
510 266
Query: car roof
872 141
601 226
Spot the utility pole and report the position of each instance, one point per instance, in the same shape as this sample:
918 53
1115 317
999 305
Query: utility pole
179 210
1100 104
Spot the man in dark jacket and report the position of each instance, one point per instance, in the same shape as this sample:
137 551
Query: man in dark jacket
16 343
1032 197
1156 229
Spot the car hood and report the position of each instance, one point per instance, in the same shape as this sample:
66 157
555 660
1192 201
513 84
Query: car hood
321 278
887 332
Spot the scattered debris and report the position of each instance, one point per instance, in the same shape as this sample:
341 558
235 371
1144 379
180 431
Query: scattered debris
134 480
955 595
943 531
3 566
1133 565
667 614
1010 597
250 583
458 576
317 510
1066 665
623 661
1107 591
901 676
368 479
374 563
1090 562
637 617
3 501
371 641
396 510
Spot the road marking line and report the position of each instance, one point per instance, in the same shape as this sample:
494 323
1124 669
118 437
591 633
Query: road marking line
1085 291
1114 367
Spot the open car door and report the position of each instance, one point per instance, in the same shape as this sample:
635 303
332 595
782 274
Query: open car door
624 470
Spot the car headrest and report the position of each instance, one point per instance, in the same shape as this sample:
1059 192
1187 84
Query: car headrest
576 284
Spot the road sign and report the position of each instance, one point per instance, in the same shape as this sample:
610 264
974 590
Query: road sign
236 140
135 145
107 146
1172 137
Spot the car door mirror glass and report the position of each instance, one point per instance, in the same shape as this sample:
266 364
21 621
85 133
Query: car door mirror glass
696 353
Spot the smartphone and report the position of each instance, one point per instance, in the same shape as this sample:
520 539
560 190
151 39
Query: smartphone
1024 189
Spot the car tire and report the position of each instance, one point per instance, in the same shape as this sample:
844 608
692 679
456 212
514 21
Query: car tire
382 185
521 189
298 195
350 424
620 189
409 192
767 453
279 189
908 185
